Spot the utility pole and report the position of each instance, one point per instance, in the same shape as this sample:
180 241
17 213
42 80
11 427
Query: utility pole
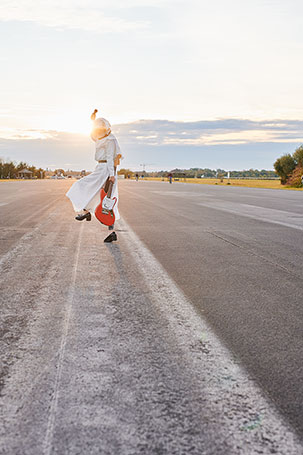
145 164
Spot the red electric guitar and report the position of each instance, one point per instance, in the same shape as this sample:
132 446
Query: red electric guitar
105 210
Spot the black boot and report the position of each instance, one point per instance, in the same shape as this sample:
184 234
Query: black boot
110 237
86 216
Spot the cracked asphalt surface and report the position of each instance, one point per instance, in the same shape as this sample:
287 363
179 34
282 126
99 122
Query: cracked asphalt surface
157 343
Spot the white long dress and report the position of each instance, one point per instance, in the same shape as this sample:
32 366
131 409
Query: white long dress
85 193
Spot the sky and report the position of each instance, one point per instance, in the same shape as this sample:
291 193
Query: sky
192 83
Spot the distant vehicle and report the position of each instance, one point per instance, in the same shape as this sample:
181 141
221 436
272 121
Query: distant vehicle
58 177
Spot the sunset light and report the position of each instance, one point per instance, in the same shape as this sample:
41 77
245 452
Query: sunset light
151 215
158 61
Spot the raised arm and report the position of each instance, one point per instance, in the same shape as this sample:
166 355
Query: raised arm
93 116
93 134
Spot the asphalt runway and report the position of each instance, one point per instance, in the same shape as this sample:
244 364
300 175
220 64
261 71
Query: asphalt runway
237 254
183 337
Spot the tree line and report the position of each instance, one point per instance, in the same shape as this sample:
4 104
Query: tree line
10 169
290 168
205 173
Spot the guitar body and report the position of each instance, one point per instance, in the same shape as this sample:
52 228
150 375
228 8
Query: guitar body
105 210
105 216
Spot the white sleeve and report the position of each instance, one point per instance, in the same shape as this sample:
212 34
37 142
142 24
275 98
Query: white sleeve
110 156
94 135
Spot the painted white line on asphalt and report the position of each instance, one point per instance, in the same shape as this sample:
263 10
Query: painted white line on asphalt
268 215
23 241
182 193
69 303
20 246
226 386
35 213
3 203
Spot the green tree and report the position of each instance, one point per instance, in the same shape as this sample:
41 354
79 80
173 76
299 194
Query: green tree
59 172
298 156
295 179
40 173
284 167
7 169
125 172
21 165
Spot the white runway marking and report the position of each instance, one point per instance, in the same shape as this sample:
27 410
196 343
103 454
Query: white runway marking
35 213
185 194
21 245
12 253
245 405
69 303
281 217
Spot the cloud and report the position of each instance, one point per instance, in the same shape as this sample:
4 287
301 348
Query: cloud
25 134
213 132
68 14
163 144
52 149
165 132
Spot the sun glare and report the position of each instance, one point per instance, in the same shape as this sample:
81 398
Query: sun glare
71 123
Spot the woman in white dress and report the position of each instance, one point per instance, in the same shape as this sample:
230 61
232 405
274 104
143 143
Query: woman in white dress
85 193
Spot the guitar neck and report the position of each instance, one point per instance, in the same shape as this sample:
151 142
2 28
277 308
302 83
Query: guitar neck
110 189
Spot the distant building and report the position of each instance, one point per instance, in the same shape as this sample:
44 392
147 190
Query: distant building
178 174
76 174
69 174
25 174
